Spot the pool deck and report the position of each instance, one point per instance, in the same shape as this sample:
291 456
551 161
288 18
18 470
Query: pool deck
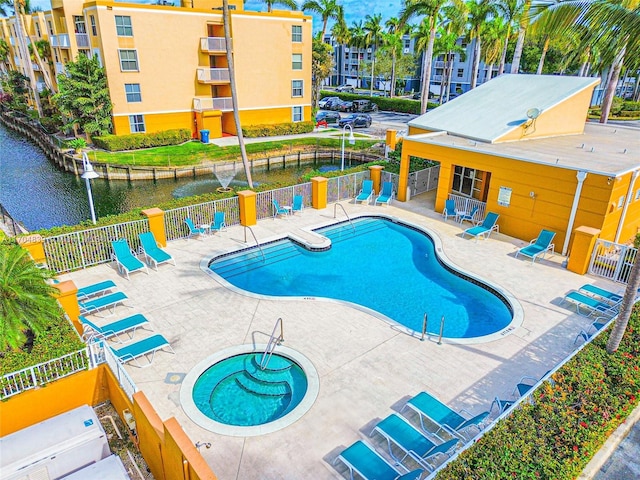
367 367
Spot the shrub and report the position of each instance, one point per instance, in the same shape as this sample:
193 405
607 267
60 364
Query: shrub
290 128
77 144
569 420
115 143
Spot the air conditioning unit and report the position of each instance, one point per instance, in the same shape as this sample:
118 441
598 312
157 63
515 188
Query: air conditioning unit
406 50
110 468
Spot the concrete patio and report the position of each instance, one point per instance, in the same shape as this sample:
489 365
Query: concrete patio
367 367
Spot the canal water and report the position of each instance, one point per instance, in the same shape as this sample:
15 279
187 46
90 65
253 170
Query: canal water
39 195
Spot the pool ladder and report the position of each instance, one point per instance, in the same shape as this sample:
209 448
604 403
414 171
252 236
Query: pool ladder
335 206
273 343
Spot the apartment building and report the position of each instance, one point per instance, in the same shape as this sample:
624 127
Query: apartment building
167 67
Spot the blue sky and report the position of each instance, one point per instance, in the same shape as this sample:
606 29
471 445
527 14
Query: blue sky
354 10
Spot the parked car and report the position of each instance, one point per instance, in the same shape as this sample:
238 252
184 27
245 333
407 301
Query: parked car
364 106
346 88
342 106
327 116
327 101
356 120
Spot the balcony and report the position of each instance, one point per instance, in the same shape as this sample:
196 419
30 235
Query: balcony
82 39
35 67
59 67
213 75
61 40
436 78
438 64
201 104
214 44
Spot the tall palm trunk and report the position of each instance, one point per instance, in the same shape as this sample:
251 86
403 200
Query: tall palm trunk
426 66
393 74
477 49
610 92
26 58
234 93
503 55
373 67
545 48
489 72
524 22
626 307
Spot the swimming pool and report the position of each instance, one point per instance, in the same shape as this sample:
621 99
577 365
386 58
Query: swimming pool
379 264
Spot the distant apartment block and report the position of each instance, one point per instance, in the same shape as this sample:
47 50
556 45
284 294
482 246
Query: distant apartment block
166 64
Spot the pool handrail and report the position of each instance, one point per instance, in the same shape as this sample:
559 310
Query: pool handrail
273 343
335 206
256 240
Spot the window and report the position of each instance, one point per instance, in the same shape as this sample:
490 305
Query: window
638 194
460 72
128 60
94 30
136 123
407 43
37 25
296 61
123 26
296 88
50 27
79 24
133 92
296 33
297 114
470 182
621 202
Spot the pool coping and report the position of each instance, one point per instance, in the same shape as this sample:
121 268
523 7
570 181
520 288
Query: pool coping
516 307
199 418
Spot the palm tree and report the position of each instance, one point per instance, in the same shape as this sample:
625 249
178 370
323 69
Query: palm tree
628 301
342 35
510 11
610 25
492 35
479 13
285 3
454 17
431 10
27 305
392 43
358 41
373 29
522 31
327 9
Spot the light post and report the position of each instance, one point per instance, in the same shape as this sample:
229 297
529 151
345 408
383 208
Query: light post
88 174
352 141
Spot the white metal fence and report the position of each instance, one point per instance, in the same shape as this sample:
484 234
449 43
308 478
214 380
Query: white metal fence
419 182
83 249
125 381
284 196
347 186
612 260
466 204
202 213
43 373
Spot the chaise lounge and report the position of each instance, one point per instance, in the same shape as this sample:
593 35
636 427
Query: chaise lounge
485 228
155 255
386 195
142 348
592 305
95 289
127 325
94 305
369 465
125 260
366 193
538 246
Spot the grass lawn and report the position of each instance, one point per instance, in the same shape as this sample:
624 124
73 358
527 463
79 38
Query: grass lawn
196 153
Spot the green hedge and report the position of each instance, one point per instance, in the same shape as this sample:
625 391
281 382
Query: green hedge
116 143
290 128
568 422
400 105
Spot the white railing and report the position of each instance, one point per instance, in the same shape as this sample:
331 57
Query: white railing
612 260
419 182
213 44
438 64
466 204
126 382
345 187
82 39
284 196
202 213
43 373
224 104
76 250
59 67
61 40
213 74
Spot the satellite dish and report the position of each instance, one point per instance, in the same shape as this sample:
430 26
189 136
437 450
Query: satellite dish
533 113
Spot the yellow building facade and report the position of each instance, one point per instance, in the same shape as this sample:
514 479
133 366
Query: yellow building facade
167 65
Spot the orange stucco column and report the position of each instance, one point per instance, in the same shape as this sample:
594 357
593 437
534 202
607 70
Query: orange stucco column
69 301
319 192
247 201
156 224
584 239
403 181
391 139
33 244
375 172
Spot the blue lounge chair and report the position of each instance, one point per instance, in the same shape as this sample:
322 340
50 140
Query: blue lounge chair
366 193
95 289
152 251
386 195
594 328
449 209
468 216
278 210
193 230
601 293
126 261
538 246
429 407
94 305
127 325
369 465
501 404
398 431
142 348
484 230
218 222
298 204
592 305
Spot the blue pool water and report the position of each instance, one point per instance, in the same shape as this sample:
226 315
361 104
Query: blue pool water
385 266
236 391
